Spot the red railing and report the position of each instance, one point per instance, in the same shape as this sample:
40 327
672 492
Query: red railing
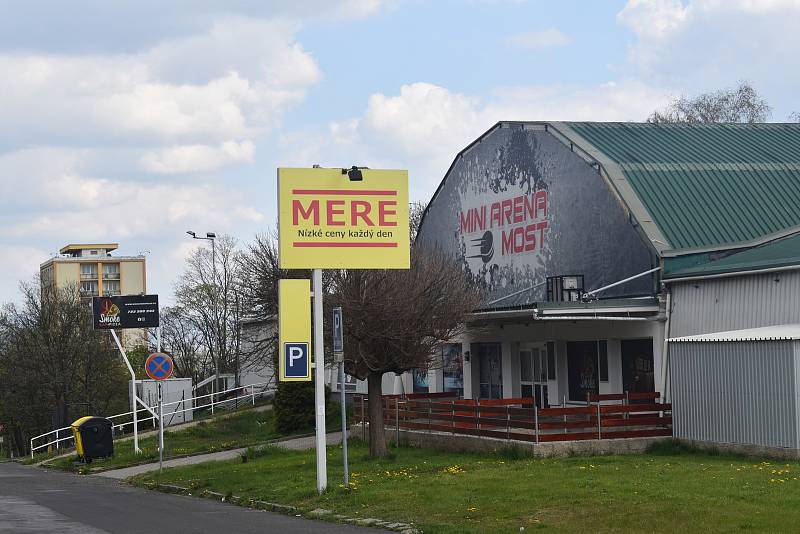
634 415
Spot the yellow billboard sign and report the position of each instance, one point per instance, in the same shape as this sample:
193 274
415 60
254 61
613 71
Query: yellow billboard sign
294 330
328 221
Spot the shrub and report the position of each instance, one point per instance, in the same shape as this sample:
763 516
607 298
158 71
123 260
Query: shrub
294 406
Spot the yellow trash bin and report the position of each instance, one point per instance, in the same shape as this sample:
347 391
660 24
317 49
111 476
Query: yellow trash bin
93 437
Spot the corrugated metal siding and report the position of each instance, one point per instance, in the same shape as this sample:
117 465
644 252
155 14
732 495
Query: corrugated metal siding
735 392
734 303
699 181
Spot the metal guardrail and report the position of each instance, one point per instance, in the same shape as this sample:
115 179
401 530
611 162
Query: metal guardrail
57 441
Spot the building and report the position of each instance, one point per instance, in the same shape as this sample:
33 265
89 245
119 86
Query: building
96 271
596 242
734 347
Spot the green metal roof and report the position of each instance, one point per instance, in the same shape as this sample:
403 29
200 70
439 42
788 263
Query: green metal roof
707 185
783 252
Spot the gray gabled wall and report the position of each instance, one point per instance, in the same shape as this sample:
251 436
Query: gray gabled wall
578 226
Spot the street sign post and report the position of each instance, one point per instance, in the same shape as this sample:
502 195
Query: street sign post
338 352
159 366
339 219
122 312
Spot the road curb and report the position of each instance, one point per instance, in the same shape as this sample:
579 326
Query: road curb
317 513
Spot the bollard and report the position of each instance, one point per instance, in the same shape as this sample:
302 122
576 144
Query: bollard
599 431
363 421
508 423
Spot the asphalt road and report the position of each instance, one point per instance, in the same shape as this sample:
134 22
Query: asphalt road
34 500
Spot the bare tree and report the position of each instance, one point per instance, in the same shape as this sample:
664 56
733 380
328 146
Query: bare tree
260 272
395 320
207 296
415 212
742 104
181 339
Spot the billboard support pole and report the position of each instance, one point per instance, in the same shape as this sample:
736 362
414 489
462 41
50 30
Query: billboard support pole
134 408
319 384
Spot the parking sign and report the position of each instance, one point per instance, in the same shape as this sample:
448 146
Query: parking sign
295 363
294 330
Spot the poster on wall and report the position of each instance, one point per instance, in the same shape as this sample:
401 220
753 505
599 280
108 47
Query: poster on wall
453 368
420 380
583 368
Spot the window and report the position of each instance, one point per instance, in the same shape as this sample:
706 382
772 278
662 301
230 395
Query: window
89 289
111 271
110 287
88 270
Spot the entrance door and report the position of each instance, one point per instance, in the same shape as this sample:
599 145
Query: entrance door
637 365
490 373
533 374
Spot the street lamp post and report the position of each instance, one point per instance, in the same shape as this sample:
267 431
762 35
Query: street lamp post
211 236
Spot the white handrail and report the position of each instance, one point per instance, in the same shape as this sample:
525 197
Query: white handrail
154 417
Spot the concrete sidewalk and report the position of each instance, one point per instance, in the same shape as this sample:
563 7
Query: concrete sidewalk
171 428
303 443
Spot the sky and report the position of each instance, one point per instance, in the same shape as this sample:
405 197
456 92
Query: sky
135 121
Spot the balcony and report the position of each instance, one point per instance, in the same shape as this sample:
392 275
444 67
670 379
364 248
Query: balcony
111 276
89 276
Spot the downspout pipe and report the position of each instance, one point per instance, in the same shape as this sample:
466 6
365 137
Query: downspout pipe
665 350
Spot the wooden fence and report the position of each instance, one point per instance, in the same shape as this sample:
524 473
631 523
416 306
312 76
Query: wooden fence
608 416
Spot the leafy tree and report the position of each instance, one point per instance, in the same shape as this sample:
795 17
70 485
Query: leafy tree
53 366
742 104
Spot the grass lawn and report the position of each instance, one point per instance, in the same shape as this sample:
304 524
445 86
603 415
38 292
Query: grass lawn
664 491
240 430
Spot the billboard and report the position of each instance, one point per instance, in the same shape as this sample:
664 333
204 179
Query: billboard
294 330
327 221
520 206
127 311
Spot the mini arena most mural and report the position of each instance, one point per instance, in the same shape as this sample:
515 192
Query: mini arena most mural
519 206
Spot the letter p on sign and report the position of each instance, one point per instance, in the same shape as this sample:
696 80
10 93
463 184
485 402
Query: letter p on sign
296 365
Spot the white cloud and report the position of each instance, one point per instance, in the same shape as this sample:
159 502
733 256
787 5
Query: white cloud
424 126
702 45
45 192
535 40
208 87
653 19
197 158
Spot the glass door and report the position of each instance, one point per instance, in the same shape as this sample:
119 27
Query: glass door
534 373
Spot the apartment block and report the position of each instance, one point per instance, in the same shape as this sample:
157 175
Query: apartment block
96 270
